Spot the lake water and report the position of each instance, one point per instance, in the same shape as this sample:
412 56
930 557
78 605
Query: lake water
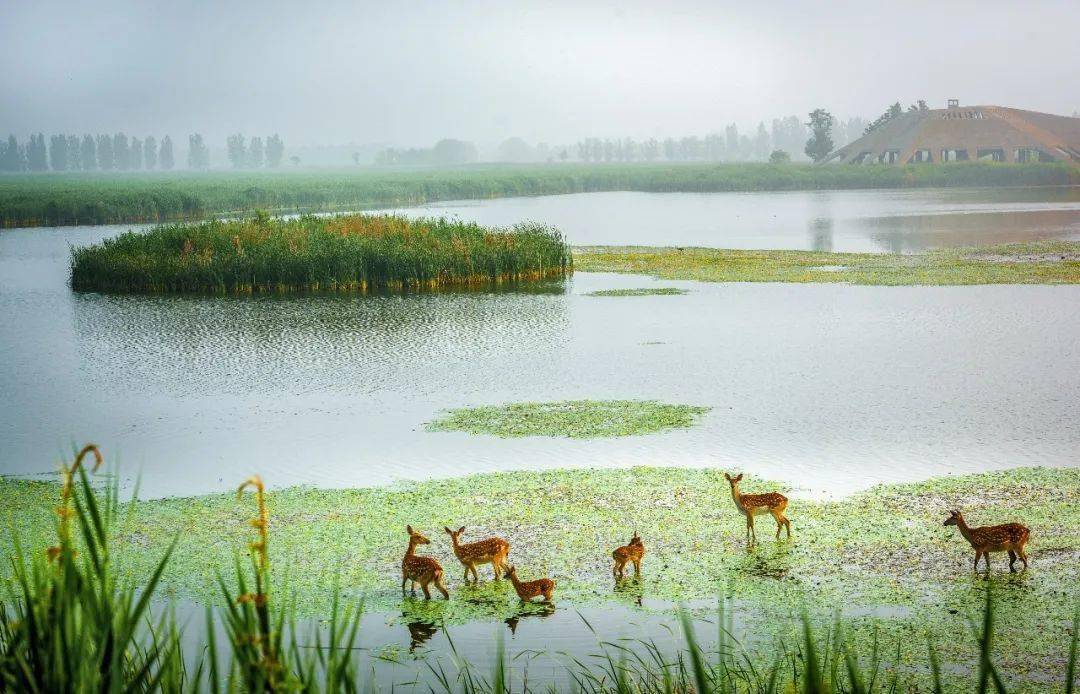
829 387
897 221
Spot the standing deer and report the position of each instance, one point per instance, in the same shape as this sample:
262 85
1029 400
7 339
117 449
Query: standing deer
422 570
1010 537
631 552
493 550
751 505
527 590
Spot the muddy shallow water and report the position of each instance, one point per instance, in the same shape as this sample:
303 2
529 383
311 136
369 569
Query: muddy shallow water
831 388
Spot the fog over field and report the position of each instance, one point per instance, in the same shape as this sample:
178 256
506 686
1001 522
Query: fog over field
410 73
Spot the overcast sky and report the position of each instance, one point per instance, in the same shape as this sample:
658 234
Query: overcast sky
408 73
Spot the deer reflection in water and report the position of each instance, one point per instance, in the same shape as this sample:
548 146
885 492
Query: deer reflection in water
539 610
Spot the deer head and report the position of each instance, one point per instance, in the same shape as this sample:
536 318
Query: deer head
733 480
953 519
416 537
635 540
511 573
454 534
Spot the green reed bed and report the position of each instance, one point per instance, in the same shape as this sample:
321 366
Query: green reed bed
65 199
349 253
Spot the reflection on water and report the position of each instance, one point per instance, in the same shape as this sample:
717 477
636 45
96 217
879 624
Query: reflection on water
831 388
852 220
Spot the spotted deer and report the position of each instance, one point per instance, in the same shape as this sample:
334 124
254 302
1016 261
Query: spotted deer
527 590
422 570
493 550
751 505
1010 537
631 552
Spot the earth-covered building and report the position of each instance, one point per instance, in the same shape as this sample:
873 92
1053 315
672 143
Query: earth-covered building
966 133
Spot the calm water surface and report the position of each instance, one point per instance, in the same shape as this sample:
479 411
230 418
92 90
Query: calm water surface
854 220
832 388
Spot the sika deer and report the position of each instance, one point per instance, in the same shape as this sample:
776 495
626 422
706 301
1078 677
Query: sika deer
493 550
422 570
1010 537
631 552
751 505
527 590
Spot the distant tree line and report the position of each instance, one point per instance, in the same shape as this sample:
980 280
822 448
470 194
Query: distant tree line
447 152
253 153
88 153
120 153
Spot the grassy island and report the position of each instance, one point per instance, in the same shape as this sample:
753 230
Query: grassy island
351 253
576 419
1036 262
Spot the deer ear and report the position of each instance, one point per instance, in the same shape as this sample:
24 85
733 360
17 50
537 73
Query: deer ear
727 477
408 529
461 529
448 530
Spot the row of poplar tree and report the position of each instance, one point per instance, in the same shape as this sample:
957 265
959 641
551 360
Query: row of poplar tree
120 153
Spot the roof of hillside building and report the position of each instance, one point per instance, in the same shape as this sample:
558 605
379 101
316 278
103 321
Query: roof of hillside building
962 133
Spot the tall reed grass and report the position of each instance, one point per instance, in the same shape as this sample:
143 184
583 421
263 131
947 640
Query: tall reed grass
65 199
69 623
350 253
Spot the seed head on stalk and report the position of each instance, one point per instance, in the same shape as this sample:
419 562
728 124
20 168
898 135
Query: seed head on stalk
66 492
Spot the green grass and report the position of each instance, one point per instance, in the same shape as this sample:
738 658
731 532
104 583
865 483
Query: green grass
883 549
643 291
349 253
1037 262
577 419
64 199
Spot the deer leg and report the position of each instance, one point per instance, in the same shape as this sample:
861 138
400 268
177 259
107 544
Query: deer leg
637 567
404 580
427 593
753 531
1012 560
779 522
1023 557
442 587
787 526
978 556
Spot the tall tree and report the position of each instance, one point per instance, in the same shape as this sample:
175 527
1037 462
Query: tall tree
149 151
731 134
820 143
12 157
105 153
88 153
275 150
761 143
58 152
135 156
198 154
165 154
237 149
73 153
37 154
255 153
121 152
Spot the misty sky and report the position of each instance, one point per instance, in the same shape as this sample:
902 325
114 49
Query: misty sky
408 73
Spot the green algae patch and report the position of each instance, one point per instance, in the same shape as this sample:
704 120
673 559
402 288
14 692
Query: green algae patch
879 561
576 419
641 291
1036 262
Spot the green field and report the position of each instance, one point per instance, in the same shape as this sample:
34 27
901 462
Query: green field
347 253
1036 262
66 199
880 559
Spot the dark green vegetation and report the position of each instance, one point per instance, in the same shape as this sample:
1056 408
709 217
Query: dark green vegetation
577 419
895 577
92 199
1037 262
642 291
354 253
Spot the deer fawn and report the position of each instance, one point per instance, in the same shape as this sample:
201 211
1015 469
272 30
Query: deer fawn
751 505
1010 537
527 590
493 550
422 570
632 552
